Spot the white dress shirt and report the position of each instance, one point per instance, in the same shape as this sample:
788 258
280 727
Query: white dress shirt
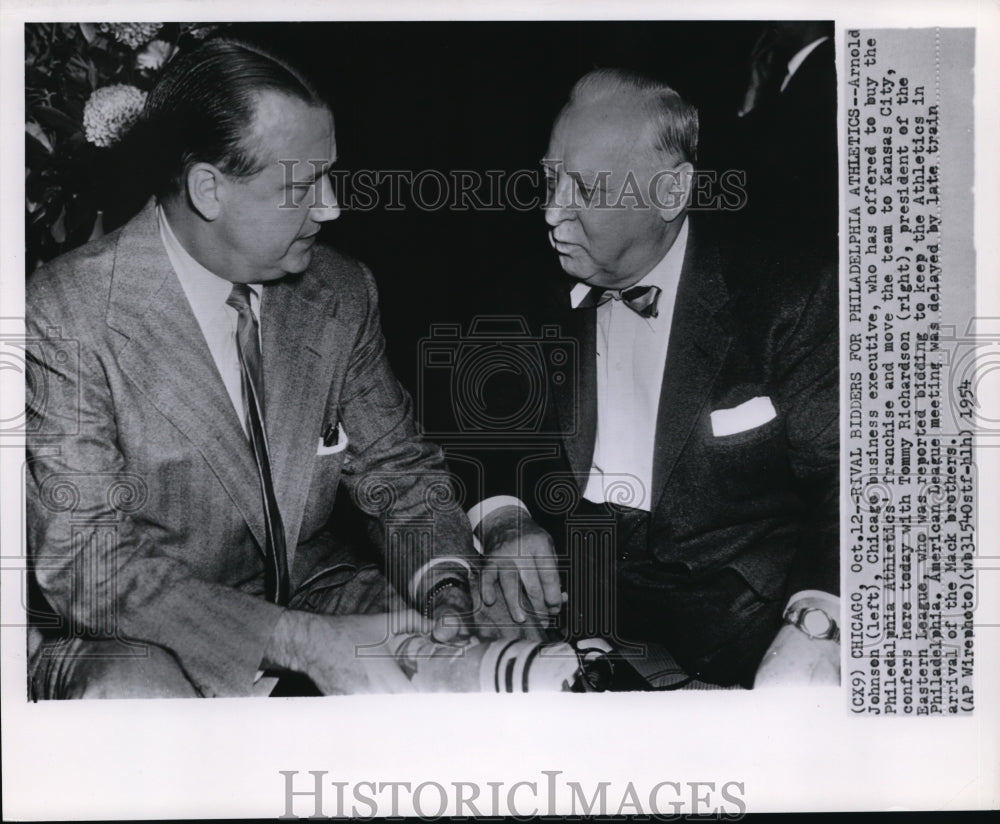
207 293
799 59
631 356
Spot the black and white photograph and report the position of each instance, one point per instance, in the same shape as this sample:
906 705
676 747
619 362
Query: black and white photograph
665 445
378 369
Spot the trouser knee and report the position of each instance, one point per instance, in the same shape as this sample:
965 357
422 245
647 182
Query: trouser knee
91 668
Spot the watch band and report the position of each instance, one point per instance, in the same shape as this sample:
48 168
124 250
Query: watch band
427 608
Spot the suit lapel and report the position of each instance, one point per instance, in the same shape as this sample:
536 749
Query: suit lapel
167 358
576 398
304 345
698 345
699 341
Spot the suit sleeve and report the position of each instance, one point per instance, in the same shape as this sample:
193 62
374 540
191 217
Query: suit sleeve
103 573
396 476
808 388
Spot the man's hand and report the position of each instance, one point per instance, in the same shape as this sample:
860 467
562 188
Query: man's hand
521 566
344 654
795 659
450 612
494 621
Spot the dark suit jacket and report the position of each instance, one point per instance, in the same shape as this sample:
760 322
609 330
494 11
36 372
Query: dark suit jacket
787 147
762 502
143 501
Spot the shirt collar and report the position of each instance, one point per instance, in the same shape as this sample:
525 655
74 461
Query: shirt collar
800 58
665 274
202 286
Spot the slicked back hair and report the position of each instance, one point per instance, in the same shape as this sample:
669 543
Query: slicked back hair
674 120
203 110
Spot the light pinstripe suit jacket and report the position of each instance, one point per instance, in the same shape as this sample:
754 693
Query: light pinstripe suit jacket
143 502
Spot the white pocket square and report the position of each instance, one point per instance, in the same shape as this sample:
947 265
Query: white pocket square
339 446
753 413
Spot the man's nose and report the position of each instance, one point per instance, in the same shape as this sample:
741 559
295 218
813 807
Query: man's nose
326 207
560 206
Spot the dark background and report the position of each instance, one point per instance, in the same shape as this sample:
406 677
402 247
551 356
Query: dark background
448 97
478 96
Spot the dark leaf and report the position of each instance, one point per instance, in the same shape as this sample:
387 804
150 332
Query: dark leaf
58 228
37 76
48 116
35 153
34 187
97 230
36 132
70 32
107 64
80 216
76 91
63 49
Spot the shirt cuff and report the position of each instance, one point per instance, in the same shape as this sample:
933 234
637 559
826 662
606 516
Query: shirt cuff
830 603
453 560
491 505
477 514
263 684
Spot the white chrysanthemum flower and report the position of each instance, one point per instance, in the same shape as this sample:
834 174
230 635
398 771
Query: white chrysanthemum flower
132 35
154 56
110 112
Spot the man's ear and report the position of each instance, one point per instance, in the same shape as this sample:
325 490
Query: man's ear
204 189
672 190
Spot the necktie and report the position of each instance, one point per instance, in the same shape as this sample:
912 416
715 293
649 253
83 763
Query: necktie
252 381
640 299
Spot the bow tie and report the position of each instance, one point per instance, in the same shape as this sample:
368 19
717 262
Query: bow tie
640 299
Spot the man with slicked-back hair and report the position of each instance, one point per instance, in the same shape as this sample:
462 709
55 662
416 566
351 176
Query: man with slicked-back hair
202 381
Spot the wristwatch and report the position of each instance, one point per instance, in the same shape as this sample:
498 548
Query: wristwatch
814 622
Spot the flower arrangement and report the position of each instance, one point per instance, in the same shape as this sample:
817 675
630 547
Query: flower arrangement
110 111
85 85
132 35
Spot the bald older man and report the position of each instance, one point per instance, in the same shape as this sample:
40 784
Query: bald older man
702 425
